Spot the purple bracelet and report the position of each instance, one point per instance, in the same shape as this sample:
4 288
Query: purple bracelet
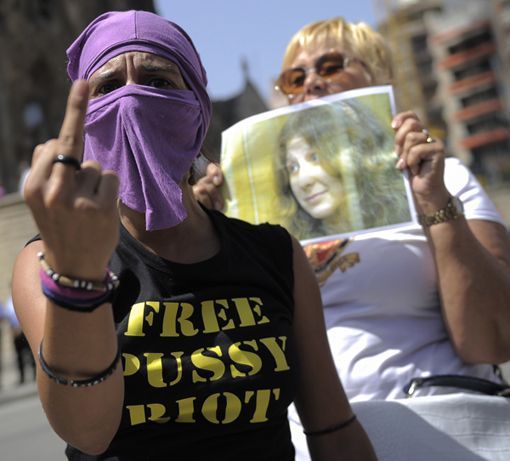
110 282
74 303
66 292
75 294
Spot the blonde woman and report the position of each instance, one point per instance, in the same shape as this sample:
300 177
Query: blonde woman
437 298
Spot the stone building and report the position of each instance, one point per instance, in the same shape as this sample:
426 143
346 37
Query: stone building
33 85
472 87
227 112
451 61
406 33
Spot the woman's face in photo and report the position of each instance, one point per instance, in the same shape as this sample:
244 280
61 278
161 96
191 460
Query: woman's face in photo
316 191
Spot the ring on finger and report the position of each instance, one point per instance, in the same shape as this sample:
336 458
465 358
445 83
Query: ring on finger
67 160
429 138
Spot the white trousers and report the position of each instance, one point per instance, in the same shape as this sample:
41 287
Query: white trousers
463 427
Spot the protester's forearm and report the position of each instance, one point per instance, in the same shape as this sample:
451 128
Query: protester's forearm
78 346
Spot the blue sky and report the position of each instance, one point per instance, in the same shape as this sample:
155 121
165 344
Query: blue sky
226 31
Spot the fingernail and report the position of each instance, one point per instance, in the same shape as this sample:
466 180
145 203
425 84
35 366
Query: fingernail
216 180
400 164
394 124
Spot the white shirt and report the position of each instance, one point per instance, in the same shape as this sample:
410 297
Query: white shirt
383 314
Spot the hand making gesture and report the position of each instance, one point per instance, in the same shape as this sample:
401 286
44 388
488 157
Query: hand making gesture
74 204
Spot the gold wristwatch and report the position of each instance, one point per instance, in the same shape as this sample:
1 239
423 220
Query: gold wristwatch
452 210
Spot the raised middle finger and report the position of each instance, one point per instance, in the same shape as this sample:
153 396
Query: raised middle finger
70 138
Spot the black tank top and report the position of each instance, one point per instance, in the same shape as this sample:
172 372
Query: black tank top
208 355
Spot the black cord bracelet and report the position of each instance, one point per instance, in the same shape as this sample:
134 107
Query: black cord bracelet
88 382
330 429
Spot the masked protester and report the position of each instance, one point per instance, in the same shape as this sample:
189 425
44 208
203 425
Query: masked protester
164 330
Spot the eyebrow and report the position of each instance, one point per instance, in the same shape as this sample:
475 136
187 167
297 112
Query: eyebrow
150 67
104 75
155 67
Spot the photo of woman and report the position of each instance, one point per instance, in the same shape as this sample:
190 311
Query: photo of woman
335 171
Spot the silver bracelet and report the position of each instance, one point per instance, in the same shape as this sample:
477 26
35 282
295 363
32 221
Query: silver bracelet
88 382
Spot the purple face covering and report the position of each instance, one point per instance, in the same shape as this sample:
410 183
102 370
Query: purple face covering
148 136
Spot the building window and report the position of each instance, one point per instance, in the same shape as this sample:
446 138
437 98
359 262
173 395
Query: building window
492 162
488 123
45 8
473 69
419 44
475 98
469 43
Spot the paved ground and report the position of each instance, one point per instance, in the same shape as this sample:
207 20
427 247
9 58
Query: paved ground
25 433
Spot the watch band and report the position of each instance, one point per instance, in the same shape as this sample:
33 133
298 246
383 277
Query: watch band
451 211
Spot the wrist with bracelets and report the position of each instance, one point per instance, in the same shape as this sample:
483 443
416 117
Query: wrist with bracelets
87 382
76 294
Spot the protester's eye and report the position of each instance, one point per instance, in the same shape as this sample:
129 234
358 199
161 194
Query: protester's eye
158 82
107 87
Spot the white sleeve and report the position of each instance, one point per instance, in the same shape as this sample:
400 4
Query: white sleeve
461 182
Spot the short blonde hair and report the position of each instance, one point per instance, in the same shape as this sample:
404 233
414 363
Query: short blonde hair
359 39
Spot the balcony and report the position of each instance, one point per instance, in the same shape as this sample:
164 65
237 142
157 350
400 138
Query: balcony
473 82
457 59
476 110
460 34
485 137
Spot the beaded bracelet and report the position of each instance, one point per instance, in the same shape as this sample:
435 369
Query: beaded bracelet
110 282
330 429
73 299
88 382
75 294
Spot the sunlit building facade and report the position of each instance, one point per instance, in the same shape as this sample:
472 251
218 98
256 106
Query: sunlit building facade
452 58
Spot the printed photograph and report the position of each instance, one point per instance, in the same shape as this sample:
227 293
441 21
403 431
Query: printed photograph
322 168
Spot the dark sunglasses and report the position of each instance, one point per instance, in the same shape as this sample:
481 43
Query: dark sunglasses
329 66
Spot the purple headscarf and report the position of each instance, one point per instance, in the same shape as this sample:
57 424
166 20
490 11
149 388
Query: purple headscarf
148 136
117 32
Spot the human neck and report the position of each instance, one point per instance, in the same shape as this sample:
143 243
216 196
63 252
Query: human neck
191 241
